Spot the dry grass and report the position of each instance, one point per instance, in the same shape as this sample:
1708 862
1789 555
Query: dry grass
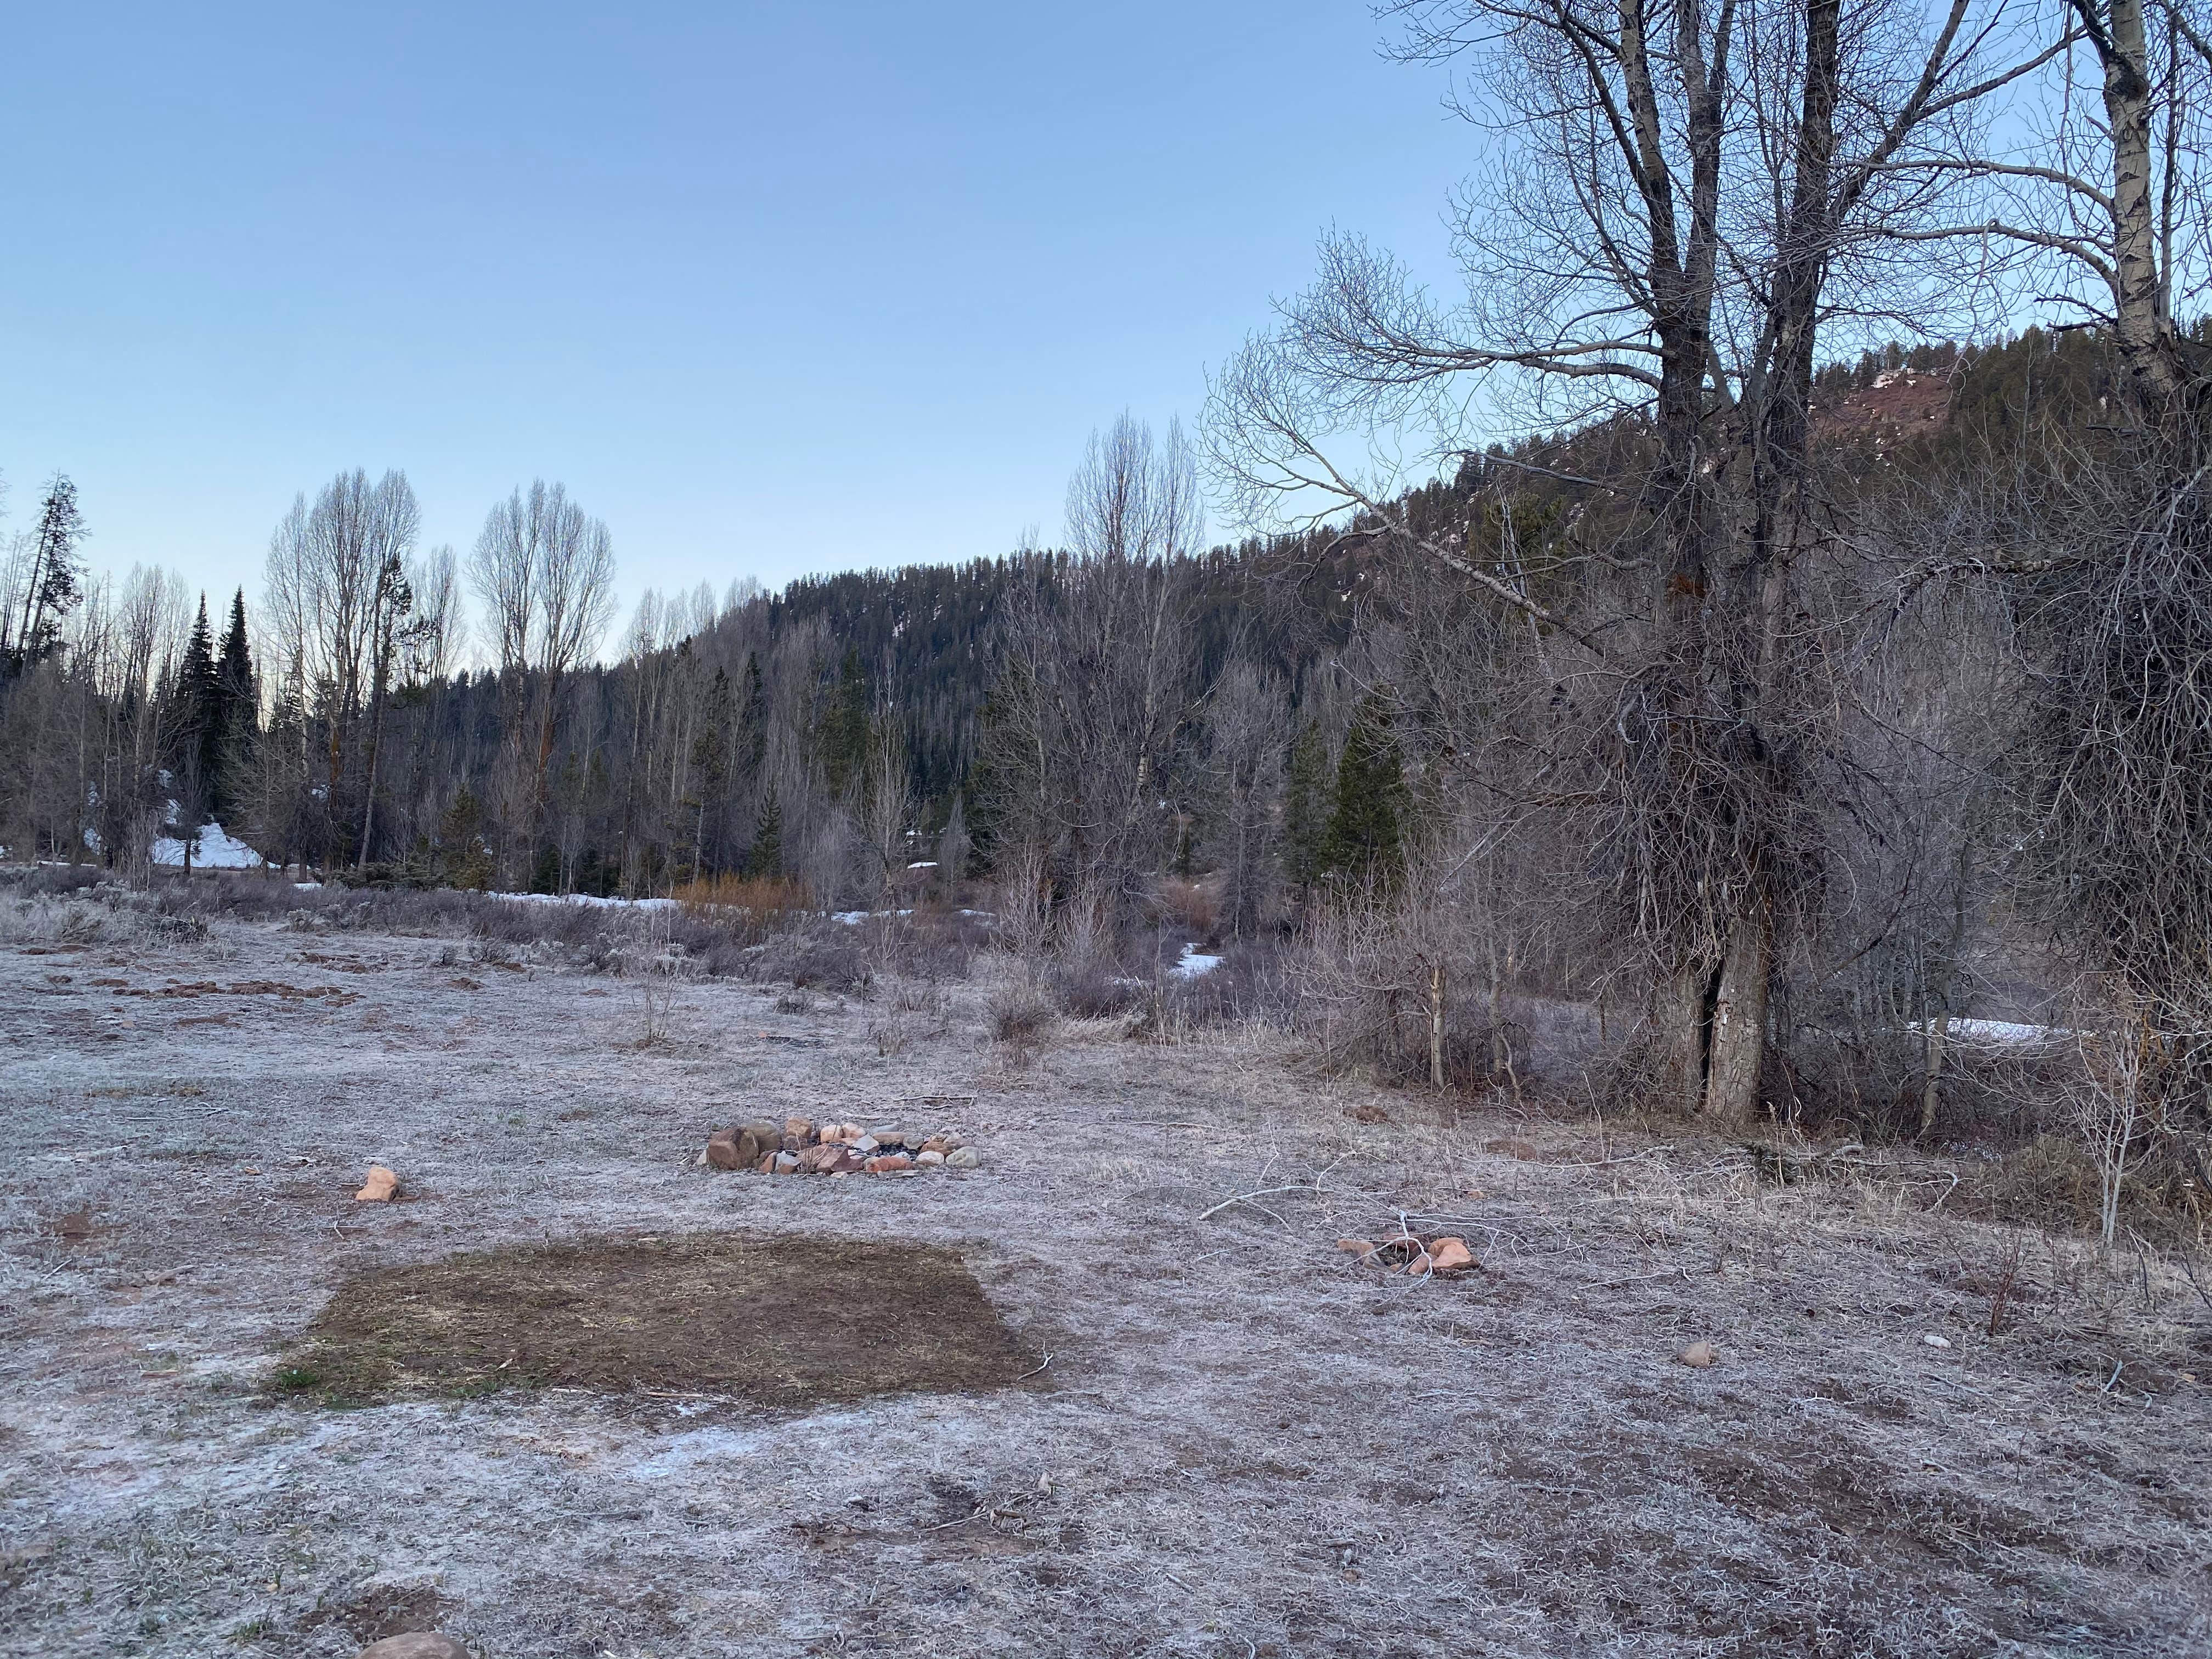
784 1323
1254 1443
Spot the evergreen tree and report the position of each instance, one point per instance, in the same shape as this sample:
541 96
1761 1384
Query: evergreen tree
55 582
752 725
464 856
1305 804
845 728
1365 839
195 705
766 860
238 701
710 777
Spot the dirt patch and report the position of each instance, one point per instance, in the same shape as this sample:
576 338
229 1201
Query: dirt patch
385 1610
785 1322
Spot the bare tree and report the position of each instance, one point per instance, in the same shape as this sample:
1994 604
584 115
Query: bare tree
1096 684
545 572
1673 191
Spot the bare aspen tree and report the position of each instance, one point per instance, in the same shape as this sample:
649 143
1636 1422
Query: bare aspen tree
545 572
1096 683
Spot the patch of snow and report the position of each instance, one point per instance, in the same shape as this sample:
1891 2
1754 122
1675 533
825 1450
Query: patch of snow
305 885
926 863
1194 964
213 848
854 918
2000 1033
592 899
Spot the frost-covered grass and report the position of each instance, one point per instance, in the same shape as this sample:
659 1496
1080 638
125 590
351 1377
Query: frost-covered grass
1244 1441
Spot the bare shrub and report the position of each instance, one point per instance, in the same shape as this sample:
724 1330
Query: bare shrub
1192 906
1018 1017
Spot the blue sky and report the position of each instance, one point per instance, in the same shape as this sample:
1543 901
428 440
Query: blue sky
771 289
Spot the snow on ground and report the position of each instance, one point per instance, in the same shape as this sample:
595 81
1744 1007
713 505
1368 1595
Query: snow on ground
592 899
1194 964
2001 1033
214 849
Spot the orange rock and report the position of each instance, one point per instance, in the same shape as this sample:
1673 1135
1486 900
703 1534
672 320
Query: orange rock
380 1186
722 1152
1355 1246
799 1127
1419 1265
937 1144
1699 1354
889 1162
820 1160
767 1165
1446 1255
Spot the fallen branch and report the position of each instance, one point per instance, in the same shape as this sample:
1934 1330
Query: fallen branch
1269 1192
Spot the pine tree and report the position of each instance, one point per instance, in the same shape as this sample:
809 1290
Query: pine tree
196 752
1365 840
765 862
845 727
752 723
238 699
57 577
1305 804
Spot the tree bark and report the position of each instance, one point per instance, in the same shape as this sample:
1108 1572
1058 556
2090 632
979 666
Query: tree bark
1738 1037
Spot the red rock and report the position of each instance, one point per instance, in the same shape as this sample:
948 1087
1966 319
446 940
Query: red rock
937 1144
800 1127
380 1186
1447 1254
821 1159
848 1162
890 1163
767 1165
416 1644
1420 1264
1355 1246
722 1152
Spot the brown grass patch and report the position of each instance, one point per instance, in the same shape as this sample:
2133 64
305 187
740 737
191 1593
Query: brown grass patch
787 1323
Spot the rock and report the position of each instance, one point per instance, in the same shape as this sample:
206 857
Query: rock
1449 1255
890 1163
848 1162
767 1165
799 1126
793 1143
865 1145
891 1139
1699 1354
962 1157
380 1186
831 1133
849 1133
729 1149
767 1137
820 1160
416 1644
1419 1265
926 1159
784 1164
1355 1246
1935 1341
935 1144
